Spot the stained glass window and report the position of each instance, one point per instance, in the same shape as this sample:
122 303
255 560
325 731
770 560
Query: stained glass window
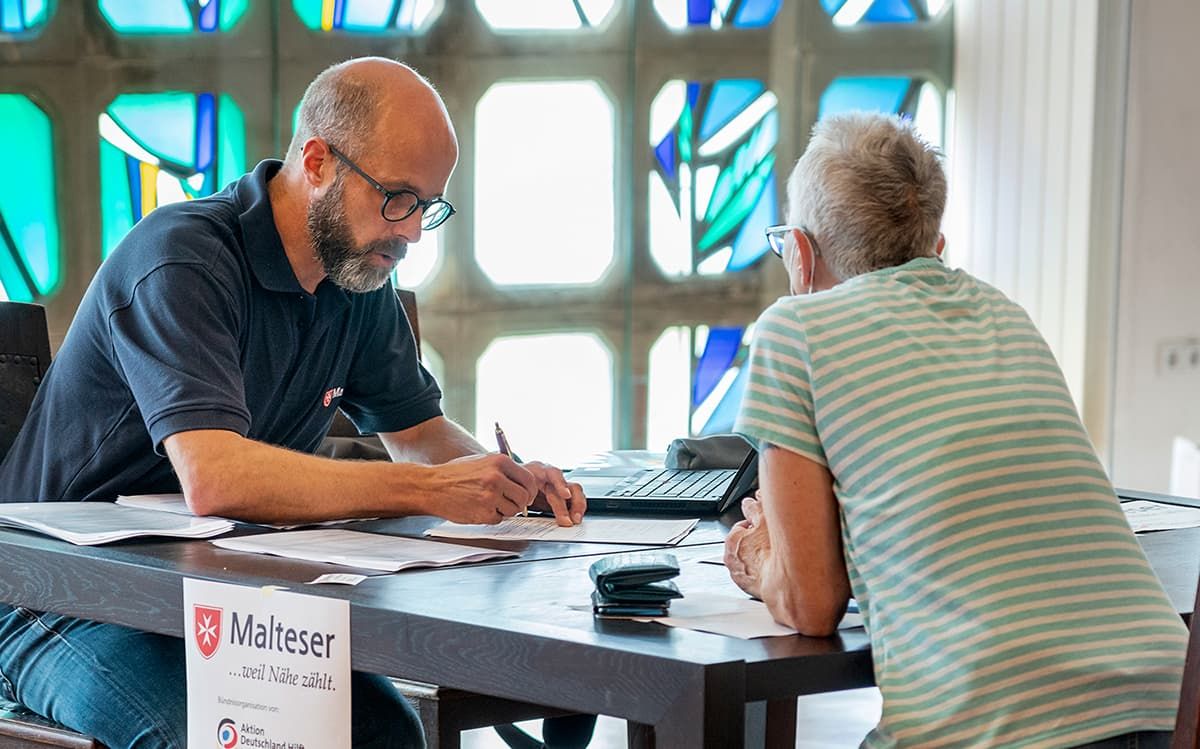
715 14
695 380
855 12
544 165
368 16
541 407
909 97
506 15
172 16
712 188
21 16
162 148
30 265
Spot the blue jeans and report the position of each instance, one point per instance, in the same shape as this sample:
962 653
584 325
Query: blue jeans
1139 740
128 688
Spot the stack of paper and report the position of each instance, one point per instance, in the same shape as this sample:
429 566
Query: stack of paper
373 551
92 523
591 530
1144 516
731 614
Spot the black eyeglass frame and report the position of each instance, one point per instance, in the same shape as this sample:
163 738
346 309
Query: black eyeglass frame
779 229
389 195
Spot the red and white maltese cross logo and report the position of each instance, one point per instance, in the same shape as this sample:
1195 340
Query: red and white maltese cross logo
207 629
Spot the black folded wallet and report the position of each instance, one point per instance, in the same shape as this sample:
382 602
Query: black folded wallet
634 584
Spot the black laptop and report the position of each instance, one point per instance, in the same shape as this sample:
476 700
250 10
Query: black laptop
682 491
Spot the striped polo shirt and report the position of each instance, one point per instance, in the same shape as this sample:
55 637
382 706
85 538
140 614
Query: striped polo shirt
1007 600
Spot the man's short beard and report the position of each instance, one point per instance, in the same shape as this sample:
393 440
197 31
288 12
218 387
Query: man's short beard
352 268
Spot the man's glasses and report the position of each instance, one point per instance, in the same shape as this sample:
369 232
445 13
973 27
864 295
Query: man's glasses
777 237
400 204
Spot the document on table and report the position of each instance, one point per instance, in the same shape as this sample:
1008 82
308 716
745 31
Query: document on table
93 523
1144 516
730 614
373 551
175 503
591 530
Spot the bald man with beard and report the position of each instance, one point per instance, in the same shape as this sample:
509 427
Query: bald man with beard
214 347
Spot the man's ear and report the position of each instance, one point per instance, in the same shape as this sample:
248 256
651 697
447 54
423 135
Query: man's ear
805 258
316 161
941 244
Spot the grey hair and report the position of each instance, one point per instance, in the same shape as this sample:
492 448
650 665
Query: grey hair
335 107
870 190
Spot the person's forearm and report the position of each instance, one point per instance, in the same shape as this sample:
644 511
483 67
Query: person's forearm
812 603
253 481
437 440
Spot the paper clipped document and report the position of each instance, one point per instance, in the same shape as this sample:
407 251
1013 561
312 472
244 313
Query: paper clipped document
93 523
373 551
591 530
175 503
1145 516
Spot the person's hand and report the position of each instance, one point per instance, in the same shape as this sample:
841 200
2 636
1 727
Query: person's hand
747 547
483 488
557 495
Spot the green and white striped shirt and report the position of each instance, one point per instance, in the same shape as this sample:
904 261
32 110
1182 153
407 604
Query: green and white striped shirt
1007 600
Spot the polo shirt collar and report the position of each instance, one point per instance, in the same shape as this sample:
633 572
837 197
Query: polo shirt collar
264 249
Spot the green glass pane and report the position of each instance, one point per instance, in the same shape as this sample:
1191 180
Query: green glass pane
116 217
309 12
232 12
154 17
165 124
12 281
28 204
737 209
720 194
685 134
35 12
231 135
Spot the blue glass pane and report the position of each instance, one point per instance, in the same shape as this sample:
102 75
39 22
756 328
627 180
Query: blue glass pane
10 16
727 99
756 13
751 243
832 6
890 11
699 12
208 16
723 416
665 153
205 131
719 352
876 94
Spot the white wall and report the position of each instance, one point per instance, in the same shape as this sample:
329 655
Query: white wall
1021 160
1159 275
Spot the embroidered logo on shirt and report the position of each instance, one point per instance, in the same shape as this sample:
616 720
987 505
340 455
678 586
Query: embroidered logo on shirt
330 394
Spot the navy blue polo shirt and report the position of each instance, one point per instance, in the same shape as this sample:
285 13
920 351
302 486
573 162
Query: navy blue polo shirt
196 321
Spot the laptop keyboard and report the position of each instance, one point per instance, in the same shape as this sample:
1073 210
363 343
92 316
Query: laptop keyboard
676 482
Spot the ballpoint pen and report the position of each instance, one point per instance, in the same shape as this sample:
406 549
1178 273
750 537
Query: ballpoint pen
502 443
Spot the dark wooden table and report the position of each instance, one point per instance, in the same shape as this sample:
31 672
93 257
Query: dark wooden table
519 631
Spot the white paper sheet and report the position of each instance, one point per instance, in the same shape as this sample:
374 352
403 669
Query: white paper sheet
591 530
176 504
373 551
93 523
1144 516
730 615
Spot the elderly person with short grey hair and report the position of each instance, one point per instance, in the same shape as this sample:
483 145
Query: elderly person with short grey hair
921 452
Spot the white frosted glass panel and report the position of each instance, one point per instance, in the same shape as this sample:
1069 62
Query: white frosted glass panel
668 386
561 15
552 393
928 119
418 265
544 183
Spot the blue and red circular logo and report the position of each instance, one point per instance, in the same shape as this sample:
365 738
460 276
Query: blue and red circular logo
227 735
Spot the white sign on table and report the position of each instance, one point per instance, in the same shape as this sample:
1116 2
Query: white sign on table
266 668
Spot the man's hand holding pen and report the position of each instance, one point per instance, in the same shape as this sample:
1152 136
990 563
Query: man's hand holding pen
554 493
